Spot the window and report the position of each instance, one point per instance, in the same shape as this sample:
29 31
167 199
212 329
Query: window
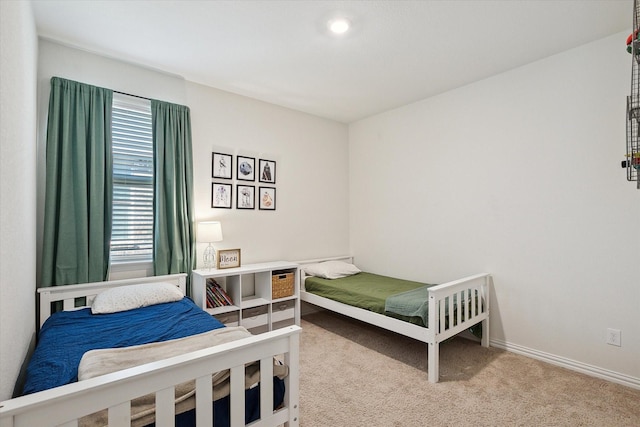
132 147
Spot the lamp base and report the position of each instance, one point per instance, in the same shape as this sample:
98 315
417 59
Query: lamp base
209 257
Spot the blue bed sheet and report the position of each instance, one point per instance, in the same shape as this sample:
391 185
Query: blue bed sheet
67 335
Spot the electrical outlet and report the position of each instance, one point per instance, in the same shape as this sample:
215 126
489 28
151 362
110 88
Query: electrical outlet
613 337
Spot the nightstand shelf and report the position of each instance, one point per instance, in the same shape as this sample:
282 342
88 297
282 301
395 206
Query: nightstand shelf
249 288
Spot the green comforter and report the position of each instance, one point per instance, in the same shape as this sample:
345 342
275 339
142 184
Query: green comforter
371 292
401 299
414 303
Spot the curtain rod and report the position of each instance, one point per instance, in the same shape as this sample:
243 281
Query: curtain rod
144 97
135 96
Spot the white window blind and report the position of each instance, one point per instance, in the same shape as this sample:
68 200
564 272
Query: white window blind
132 224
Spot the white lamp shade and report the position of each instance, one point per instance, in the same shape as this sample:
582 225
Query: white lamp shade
209 231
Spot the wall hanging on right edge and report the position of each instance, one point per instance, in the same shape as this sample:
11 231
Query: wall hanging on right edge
632 161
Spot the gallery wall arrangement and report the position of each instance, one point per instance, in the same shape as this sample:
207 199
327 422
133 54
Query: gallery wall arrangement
244 195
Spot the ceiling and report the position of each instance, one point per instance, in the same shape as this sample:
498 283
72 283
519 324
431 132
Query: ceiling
396 53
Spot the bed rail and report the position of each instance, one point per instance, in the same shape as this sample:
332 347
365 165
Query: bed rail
64 406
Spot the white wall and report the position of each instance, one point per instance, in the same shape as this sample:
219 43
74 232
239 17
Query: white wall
518 175
310 153
19 46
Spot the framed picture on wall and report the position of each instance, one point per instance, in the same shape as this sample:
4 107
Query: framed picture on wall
267 171
245 196
221 165
267 198
221 195
246 168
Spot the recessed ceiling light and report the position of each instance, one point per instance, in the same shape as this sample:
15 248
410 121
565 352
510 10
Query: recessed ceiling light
339 26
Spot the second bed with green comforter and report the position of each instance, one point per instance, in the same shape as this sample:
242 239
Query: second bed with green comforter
402 299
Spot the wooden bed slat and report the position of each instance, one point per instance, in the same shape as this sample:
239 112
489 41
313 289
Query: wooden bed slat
292 392
120 415
266 398
237 396
165 407
204 396
471 304
475 306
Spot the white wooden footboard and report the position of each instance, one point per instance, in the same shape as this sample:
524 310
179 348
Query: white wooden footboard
63 406
471 295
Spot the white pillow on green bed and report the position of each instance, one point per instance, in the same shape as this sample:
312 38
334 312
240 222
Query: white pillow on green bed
129 297
331 269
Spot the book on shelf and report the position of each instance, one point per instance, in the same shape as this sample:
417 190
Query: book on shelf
216 295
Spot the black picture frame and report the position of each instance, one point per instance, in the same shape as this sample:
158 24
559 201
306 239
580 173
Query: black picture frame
267 198
221 165
267 171
245 196
246 170
221 195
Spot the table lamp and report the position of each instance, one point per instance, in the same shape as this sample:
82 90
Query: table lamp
209 232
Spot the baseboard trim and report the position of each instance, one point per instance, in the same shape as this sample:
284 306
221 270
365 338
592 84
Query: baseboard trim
573 365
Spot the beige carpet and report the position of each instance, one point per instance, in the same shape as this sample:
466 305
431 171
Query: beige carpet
353 374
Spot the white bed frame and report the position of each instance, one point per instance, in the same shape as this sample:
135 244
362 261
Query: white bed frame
63 406
467 290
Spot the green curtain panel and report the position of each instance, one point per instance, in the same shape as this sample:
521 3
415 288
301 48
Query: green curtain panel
174 239
77 216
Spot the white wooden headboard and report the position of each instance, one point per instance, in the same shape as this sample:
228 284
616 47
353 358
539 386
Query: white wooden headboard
69 294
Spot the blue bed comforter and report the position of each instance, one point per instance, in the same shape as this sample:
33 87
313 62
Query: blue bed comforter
67 335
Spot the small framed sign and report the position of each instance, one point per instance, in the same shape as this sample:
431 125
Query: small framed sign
227 258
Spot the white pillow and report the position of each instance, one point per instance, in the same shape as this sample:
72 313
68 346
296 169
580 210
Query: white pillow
129 297
331 269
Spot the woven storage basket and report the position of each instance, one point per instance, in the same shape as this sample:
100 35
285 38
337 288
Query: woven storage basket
282 284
